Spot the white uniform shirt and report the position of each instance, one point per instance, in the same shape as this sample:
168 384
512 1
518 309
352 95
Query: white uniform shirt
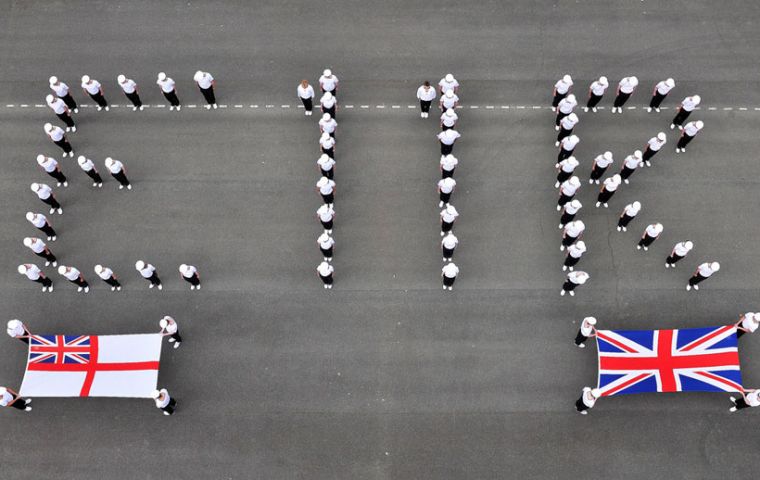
655 144
15 329
325 186
562 87
568 123
427 95
628 84
449 162
588 399
72 274
576 251
305 93
106 273
167 85
663 88
325 241
326 213
574 229
681 249
632 210
568 188
449 120
328 126
32 272
705 270
610 184
449 214
93 88
328 83
691 129
325 163
61 89
328 102
446 86
689 104
749 323
631 162
570 209
568 165
6 399
327 143
450 270
166 399
601 162
44 191
450 241
205 81
449 102
39 220
448 137
578 278
446 185
653 230
37 245
567 105
87 165
586 328
115 167
189 272
129 86
753 398
148 271
598 89
569 143
58 105
171 325
325 269
48 164
56 134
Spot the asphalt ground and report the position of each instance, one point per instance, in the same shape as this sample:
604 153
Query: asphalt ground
385 376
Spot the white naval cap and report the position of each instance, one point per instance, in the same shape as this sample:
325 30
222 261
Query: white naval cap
326 117
324 136
661 136
85 79
30 216
163 323
449 77
696 99
574 138
328 95
40 158
575 181
48 127
81 159
603 80
700 124
98 268
62 269
573 117
637 154
617 178
155 394
35 187
121 79
689 244
327 72
21 269
576 204
449 112
198 75
590 320
571 98
28 242
715 266
449 93
636 205
607 155
567 79
161 76
670 82
139 265
49 99
53 80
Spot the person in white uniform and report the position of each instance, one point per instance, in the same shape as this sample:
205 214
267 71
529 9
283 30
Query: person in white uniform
659 93
61 111
587 330
164 401
94 89
206 85
62 91
189 273
425 94
129 87
169 90
306 93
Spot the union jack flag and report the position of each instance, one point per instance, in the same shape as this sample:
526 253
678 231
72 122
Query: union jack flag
686 360
59 349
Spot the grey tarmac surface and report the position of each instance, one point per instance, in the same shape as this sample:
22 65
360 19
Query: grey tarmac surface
385 376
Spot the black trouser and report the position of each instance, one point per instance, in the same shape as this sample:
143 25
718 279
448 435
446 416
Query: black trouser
593 100
45 281
120 177
567 240
563 154
741 402
684 140
326 173
327 225
696 278
680 117
646 240
580 339
18 403
99 99
447 252
80 282
624 220
626 172
559 117
176 336
58 175
208 94
112 282
329 151
307 104
134 97
739 333
563 175
448 281
94 175
69 101
171 97
558 97
569 286
65 117
26 340
64 144
446 227
326 252
563 199
673 259
446 149
328 280
445 127
330 110
571 261
170 406
621 99
566 218
447 173
580 406
597 172
425 105
334 91
445 197
47 230
648 153
47 255
52 202
328 198
657 99
153 279
605 195
194 280
563 133
332 134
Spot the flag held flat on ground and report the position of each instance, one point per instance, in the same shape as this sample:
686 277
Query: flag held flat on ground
92 366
